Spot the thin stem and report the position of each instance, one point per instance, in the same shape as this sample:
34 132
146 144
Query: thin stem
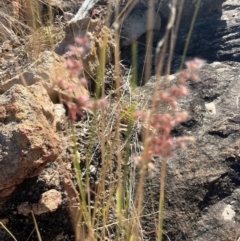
190 33
6 229
36 227
161 199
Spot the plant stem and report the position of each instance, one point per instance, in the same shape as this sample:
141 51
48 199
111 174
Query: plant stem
161 199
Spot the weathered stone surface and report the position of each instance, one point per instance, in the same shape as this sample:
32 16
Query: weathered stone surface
49 69
202 187
83 10
207 42
28 140
222 214
59 117
206 7
49 202
135 24
216 37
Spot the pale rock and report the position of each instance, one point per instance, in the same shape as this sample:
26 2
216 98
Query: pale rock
211 108
59 116
28 140
48 69
228 213
49 202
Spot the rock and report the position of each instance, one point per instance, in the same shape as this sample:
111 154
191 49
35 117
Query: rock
216 37
27 197
211 108
28 140
49 202
60 117
163 8
83 10
49 69
135 24
202 186
220 214
206 7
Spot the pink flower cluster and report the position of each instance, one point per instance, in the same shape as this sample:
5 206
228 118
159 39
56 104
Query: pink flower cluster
76 104
160 142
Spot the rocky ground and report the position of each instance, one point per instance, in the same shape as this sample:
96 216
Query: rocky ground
36 169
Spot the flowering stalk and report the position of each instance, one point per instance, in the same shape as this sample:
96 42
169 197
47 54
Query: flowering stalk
160 141
76 104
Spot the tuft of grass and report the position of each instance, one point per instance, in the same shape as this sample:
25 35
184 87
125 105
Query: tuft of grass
44 38
113 207
114 129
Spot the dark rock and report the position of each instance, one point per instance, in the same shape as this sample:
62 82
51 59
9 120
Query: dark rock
206 7
216 37
135 24
202 187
